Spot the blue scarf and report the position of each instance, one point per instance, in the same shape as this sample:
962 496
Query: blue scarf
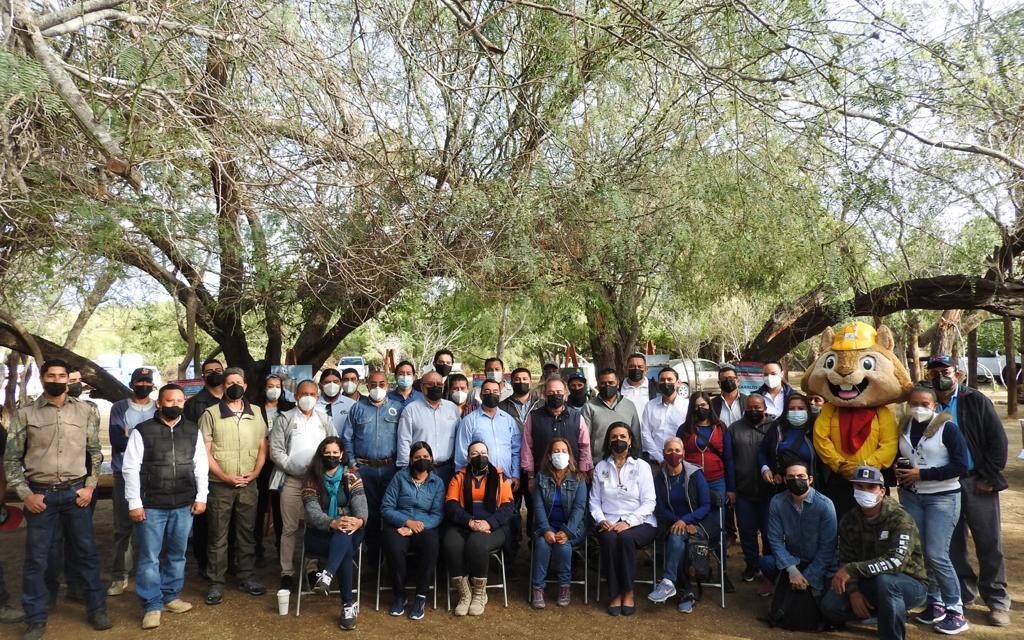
331 484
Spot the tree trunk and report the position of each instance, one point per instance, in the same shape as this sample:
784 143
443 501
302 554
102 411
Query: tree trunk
1010 377
99 291
11 366
499 348
946 339
913 338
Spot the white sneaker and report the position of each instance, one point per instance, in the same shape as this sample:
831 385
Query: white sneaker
662 592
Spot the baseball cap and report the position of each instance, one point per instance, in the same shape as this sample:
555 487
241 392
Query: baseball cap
10 518
943 360
142 374
576 375
868 475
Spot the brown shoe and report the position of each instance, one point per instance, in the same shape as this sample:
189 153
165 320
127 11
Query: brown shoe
151 620
999 618
178 606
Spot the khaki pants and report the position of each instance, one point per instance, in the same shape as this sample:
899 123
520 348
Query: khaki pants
224 501
292 515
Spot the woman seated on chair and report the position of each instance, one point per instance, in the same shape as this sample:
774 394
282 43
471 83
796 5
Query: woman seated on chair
559 506
412 510
335 514
684 500
622 504
478 508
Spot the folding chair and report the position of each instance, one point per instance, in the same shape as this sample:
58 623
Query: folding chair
653 547
498 555
718 552
585 582
380 587
357 560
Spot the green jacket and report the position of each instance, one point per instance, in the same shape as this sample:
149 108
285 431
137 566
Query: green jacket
890 544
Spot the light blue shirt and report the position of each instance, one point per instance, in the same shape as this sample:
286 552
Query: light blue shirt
500 434
951 410
437 427
371 431
336 410
809 535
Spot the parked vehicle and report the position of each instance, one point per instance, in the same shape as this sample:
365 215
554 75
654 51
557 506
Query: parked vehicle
354 362
695 374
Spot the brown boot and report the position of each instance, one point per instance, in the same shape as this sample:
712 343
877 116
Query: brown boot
479 588
461 586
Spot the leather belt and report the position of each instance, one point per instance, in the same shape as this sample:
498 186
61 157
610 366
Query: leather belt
75 485
376 464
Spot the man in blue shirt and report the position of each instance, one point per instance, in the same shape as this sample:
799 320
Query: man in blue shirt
802 533
493 427
334 403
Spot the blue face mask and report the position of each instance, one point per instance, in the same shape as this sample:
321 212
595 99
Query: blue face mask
797 417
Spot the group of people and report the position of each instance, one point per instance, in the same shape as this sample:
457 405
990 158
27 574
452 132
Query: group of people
429 473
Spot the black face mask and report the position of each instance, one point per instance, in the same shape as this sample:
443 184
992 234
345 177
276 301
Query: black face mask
754 417
578 397
478 464
702 413
330 462
490 400
435 393
554 402
636 375
520 388
141 392
797 486
608 391
235 392
728 385
54 389
443 369
421 465
942 383
74 389
618 446
667 388
170 414
214 379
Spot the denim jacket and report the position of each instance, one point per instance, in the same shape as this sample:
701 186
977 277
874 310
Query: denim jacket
574 504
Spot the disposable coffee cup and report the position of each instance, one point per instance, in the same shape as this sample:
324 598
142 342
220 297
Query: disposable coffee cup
283 597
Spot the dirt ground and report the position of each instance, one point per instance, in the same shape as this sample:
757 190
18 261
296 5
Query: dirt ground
243 617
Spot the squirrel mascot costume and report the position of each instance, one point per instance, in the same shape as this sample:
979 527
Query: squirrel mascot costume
858 375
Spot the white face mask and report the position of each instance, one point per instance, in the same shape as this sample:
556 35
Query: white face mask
494 375
403 382
349 387
273 393
377 393
560 460
458 397
922 414
331 389
306 403
773 380
866 499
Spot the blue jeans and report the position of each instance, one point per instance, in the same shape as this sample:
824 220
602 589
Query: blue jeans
676 558
339 549
936 517
375 483
544 554
160 564
891 595
751 519
76 522
718 486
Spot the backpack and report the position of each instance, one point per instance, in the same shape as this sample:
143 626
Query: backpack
791 609
699 556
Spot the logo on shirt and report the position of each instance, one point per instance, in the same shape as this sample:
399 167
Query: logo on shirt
392 411
884 535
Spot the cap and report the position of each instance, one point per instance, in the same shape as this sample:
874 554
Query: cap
576 375
943 360
142 374
330 371
854 336
726 366
868 475
10 518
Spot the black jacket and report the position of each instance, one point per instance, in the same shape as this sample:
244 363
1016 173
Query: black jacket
986 438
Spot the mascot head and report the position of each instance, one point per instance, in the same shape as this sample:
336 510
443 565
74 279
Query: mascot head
857 368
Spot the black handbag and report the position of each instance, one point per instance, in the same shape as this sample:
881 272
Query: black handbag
791 609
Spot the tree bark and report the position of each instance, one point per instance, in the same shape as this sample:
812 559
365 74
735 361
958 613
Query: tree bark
92 300
913 338
1010 377
946 339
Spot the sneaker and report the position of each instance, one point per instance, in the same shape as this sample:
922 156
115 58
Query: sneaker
287 583
348 617
952 623
749 573
10 615
178 606
934 613
564 595
117 587
100 621
34 631
151 620
397 605
686 604
766 588
419 608
999 617
662 592
323 584
537 600
252 587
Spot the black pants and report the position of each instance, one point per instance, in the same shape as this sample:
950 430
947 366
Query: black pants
618 555
469 552
397 548
268 500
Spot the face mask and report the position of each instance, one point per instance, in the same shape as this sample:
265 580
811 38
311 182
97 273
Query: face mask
478 464
141 392
75 389
560 460
797 417
702 413
214 379
494 375
555 401
922 414
490 400
306 403
349 387
443 369
377 394
331 389
403 382
797 486
54 389
728 385
235 392
773 380
814 410
866 499
520 388
170 414
755 417
618 446
421 465
578 397
435 393
942 383
608 392
330 462
667 388
636 375
458 397
673 459
273 394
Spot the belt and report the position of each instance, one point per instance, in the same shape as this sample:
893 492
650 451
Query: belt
54 487
376 464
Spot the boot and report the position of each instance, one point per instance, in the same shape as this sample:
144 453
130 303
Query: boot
476 607
461 586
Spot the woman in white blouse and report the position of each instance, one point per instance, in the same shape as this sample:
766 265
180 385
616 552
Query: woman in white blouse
622 504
